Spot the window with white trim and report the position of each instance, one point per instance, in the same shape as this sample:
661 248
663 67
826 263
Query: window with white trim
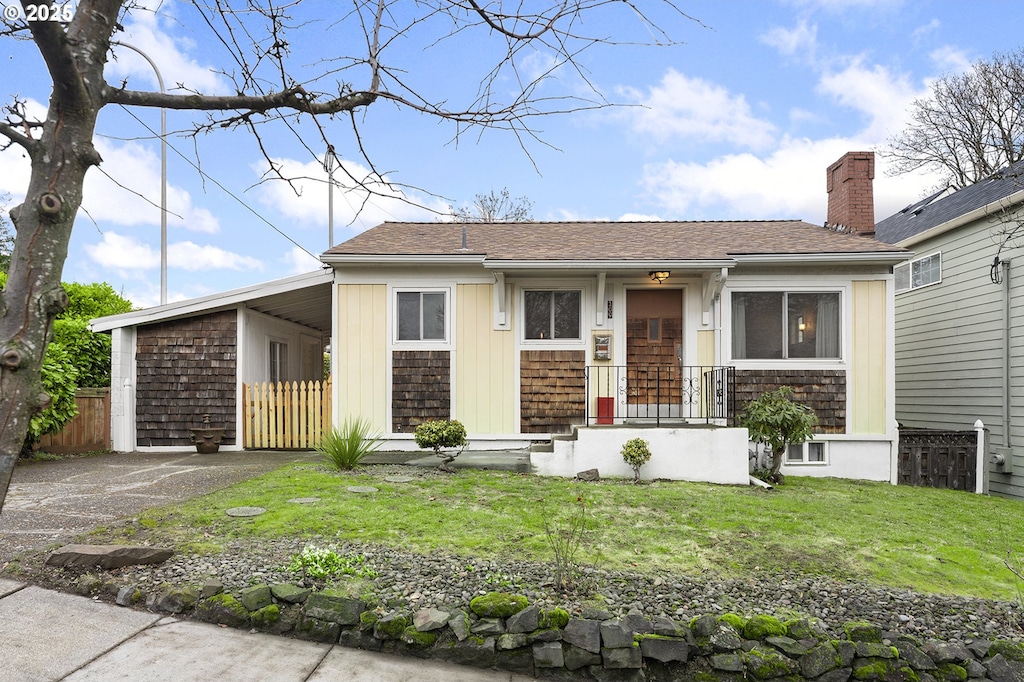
278 361
918 273
811 452
421 316
784 325
552 314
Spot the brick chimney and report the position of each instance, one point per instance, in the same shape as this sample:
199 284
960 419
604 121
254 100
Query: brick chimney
851 198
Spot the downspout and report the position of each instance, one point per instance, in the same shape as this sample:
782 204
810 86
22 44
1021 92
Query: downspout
1007 440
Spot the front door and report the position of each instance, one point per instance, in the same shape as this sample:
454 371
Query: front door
654 352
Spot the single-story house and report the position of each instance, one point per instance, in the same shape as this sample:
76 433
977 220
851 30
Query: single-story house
583 334
959 354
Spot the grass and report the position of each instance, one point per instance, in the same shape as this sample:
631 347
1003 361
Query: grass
928 540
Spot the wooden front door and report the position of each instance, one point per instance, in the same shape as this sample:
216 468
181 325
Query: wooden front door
654 350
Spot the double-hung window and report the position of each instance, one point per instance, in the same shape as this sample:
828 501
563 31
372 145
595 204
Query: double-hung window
421 316
552 314
918 273
782 325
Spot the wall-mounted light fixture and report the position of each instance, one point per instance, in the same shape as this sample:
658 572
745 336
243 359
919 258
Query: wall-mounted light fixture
659 276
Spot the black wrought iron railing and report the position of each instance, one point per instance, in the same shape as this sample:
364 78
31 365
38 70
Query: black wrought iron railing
661 394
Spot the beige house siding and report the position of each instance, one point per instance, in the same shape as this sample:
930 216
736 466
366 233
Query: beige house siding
867 377
485 373
361 350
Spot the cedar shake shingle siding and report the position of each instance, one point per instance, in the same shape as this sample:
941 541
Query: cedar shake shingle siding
186 368
553 390
421 388
823 390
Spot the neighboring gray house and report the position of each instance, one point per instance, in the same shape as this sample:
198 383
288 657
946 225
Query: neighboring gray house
960 317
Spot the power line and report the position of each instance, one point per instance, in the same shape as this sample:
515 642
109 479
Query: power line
224 189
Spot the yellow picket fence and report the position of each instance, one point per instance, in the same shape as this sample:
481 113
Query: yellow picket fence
290 415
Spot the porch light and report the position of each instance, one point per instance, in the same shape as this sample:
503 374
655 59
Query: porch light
659 276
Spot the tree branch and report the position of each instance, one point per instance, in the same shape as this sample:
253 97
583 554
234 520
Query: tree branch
295 98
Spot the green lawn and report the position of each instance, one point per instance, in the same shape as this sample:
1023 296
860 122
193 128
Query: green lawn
929 540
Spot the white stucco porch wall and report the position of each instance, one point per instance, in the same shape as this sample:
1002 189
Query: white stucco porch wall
706 454
869 460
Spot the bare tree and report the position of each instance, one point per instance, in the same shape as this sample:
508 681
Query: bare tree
268 85
971 125
495 207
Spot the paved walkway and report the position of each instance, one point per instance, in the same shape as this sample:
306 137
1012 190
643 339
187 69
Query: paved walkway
48 636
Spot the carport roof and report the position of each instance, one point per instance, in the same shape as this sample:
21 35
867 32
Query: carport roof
304 299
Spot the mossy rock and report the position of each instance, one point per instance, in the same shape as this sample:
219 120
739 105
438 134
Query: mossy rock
223 609
863 632
1013 651
265 617
367 620
555 618
420 640
950 672
760 627
498 604
765 664
391 626
733 620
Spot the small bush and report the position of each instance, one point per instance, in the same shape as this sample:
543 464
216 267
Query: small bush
566 534
636 452
346 447
440 435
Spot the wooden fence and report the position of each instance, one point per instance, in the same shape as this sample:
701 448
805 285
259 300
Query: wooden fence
89 431
291 415
938 459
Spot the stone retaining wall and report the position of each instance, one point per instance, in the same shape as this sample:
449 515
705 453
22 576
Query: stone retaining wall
503 631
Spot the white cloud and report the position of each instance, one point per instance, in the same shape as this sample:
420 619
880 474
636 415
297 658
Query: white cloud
134 170
305 200
684 107
787 184
949 59
150 31
298 261
802 39
126 254
874 91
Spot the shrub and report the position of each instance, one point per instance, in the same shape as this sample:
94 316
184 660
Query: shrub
636 453
439 435
321 563
777 421
346 447
566 534
59 379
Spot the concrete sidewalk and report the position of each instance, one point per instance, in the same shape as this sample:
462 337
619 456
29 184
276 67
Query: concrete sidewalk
48 636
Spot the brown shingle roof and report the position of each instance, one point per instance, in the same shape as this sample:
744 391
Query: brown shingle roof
607 240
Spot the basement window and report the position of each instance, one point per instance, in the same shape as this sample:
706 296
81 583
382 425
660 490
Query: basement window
811 452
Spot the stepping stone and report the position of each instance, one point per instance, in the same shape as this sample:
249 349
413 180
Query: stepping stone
107 556
245 511
361 489
399 479
304 500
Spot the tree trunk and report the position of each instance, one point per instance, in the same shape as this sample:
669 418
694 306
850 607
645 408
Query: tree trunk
60 157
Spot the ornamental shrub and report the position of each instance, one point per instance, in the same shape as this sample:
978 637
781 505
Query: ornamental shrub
777 421
636 453
440 435
344 448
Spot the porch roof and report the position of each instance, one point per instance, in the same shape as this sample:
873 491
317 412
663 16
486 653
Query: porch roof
713 243
304 299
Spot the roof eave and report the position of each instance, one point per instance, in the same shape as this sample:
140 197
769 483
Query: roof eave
211 303
858 258
609 265
401 259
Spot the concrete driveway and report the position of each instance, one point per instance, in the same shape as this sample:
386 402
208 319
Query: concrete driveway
51 502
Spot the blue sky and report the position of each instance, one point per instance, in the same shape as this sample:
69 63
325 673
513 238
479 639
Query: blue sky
738 121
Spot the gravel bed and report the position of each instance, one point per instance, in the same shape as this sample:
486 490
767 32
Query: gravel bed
407 580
